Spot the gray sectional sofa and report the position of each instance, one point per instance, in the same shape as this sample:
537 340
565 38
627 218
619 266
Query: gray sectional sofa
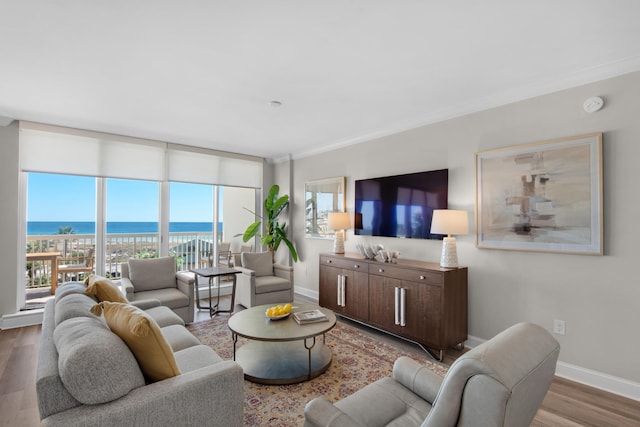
87 376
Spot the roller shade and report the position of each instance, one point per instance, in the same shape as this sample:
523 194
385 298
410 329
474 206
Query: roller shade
53 149
208 167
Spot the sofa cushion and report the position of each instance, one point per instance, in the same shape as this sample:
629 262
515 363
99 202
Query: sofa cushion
260 262
170 297
152 273
143 336
94 365
179 337
70 288
266 284
73 305
196 357
104 289
164 316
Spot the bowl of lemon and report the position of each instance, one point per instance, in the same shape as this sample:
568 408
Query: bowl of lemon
278 312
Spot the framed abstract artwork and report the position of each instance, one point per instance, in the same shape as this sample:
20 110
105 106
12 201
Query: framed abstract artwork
544 196
320 198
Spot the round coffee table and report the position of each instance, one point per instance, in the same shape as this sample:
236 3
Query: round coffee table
280 351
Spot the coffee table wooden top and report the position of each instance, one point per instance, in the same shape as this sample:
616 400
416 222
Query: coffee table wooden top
253 323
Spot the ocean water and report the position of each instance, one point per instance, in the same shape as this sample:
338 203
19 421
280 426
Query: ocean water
39 228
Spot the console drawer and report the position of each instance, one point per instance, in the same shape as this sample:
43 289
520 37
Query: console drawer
403 273
347 264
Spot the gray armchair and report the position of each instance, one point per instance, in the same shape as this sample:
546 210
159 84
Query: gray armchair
156 278
263 282
502 382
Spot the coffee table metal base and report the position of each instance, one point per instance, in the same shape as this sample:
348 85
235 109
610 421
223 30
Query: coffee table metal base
283 362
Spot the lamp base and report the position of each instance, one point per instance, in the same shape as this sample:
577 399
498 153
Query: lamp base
449 258
338 243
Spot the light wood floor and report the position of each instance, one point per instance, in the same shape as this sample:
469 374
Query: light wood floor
566 404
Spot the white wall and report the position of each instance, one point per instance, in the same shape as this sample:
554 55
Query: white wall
9 219
598 297
235 218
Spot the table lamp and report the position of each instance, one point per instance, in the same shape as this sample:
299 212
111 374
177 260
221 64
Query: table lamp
339 221
448 221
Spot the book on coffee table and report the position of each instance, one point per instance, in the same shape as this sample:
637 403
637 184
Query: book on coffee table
310 316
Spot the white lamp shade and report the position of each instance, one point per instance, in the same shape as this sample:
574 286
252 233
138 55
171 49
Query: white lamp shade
449 221
339 220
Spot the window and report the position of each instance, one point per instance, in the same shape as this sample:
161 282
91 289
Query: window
61 232
135 190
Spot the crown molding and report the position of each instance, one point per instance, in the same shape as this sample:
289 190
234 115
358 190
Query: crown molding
5 121
534 89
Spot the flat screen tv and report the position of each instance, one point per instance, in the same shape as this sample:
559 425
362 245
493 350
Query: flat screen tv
400 206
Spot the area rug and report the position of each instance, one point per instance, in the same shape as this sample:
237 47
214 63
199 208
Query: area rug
358 360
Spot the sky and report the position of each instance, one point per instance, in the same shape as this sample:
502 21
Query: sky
54 197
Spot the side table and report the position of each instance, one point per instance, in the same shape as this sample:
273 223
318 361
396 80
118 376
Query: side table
211 273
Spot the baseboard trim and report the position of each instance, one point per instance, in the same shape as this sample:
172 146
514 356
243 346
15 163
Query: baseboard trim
314 295
588 377
599 380
203 290
22 319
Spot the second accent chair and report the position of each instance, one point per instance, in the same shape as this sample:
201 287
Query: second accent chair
157 278
502 382
263 282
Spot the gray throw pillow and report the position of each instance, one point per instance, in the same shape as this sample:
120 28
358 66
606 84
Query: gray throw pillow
152 273
260 262
73 305
94 364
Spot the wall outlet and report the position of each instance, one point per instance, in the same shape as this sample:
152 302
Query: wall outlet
558 327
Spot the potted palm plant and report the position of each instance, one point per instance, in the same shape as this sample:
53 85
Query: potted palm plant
276 232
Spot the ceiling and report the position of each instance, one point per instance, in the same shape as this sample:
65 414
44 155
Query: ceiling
203 72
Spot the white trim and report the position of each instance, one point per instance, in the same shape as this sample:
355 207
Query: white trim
314 295
602 381
203 290
589 377
532 90
472 341
21 319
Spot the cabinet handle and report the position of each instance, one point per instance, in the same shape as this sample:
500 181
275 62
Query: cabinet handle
396 307
422 277
403 307
341 290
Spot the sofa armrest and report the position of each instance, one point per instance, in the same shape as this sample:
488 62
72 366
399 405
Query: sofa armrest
127 288
188 278
321 413
247 271
215 392
417 378
146 304
283 271
185 282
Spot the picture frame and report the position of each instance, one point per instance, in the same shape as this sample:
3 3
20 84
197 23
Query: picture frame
544 196
321 197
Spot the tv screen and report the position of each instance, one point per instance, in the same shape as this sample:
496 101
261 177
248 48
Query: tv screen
401 205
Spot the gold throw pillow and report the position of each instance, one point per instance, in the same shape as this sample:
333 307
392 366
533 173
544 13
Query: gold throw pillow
103 289
142 334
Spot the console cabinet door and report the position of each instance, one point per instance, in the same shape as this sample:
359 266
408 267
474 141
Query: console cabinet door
328 289
403 308
344 291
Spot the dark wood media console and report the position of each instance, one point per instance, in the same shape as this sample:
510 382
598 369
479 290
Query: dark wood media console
419 301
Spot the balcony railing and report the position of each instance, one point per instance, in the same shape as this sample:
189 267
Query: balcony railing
189 248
